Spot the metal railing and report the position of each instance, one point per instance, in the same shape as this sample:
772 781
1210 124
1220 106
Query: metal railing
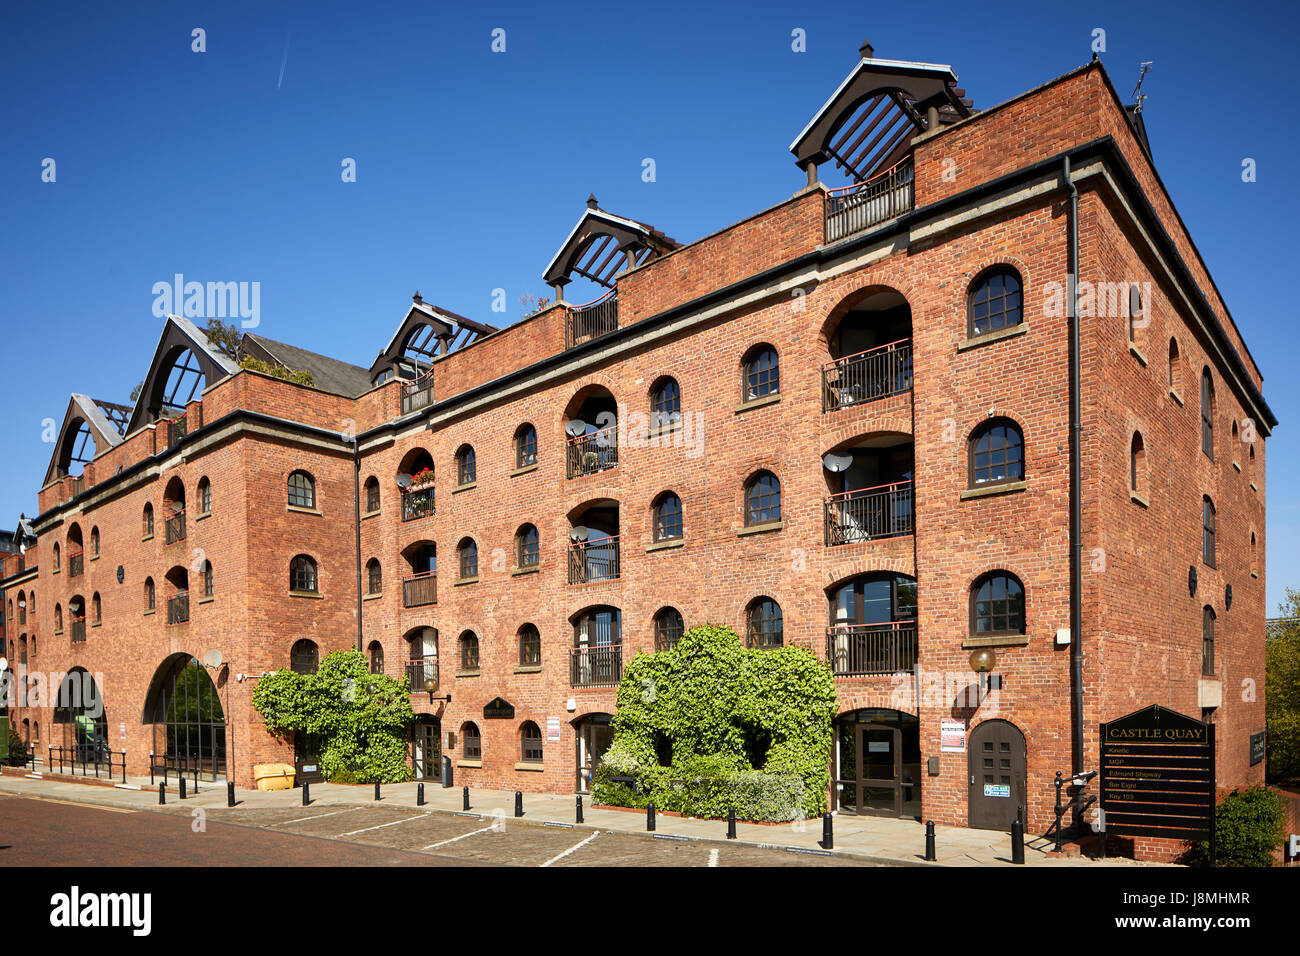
76 564
420 589
1078 803
851 209
78 630
876 373
88 757
417 503
418 392
865 649
419 671
593 560
598 665
589 321
204 763
178 608
865 514
588 454
174 527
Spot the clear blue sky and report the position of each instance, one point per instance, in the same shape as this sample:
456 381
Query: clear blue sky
473 166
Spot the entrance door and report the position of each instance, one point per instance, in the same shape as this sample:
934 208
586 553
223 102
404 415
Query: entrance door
998 772
426 749
595 734
880 770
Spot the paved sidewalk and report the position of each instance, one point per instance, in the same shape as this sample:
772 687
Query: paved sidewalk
873 839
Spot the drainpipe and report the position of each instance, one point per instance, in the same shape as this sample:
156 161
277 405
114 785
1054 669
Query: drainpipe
1076 507
356 510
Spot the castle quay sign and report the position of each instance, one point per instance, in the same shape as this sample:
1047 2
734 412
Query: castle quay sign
1157 776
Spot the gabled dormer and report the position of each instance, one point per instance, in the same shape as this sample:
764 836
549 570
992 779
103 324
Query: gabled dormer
89 427
426 332
184 364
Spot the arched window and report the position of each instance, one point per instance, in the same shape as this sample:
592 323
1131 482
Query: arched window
208 584
1207 413
525 446
665 403
304 657
669 628
58 618
530 646
997 605
1207 641
1207 530
471 743
667 523
94 542
466 466
760 373
96 610
468 553
1137 319
302 575
1173 364
372 494
1254 557
374 577
205 496
147 521
302 490
148 594
56 557
528 548
1251 464
762 499
1137 459
763 628
469 651
376 657
997 453
530 743
995 301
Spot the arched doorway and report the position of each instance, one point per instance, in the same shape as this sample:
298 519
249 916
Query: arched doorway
595 734
80 723
426 747
189 723
998 775
878 763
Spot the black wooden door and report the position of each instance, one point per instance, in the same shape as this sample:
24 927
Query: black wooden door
997 767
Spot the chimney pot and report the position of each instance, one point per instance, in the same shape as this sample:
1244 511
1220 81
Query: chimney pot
591 201
866 50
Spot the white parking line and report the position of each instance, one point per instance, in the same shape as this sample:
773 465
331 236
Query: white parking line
576 846
285 823
382 825
713 858
433 846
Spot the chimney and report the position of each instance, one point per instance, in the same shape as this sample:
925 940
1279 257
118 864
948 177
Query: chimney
416 298
591 201
866 50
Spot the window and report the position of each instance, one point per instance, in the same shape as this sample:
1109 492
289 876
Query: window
1137 465
148 594
95 608
525 446
997 453
304 657
471 743
530 739
94 542
468 551
995 301
56 556
763 623
1207 528
374 577
58 619
208 588
667 517
761 370
997 605
466 466
372 494
302 490
1207 642
669 628
1207 413
530 646
1173 364
205 496
302 574
147 522
469 651
1137 320
528 549
376 657
665 403
762 499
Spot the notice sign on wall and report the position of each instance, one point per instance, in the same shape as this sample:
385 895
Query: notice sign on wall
952 736
552 728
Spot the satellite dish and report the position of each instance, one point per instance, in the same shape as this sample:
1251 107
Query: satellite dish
403 481
837 461
212 658
579 533
4 664
575 429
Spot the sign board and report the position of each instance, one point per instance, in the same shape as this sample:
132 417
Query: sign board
1256 748
552 728
498 709
1157 775
997 789
952 736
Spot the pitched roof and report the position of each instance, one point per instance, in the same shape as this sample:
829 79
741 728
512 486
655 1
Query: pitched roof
328 374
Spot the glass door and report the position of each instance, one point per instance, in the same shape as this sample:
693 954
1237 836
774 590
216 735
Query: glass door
879 770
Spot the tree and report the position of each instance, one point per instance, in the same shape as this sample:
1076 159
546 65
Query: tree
224 336
1282 690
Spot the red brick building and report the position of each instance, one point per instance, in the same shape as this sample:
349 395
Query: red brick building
846 422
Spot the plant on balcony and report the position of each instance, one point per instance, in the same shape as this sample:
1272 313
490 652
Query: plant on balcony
709 724
360 718
303 377
422 477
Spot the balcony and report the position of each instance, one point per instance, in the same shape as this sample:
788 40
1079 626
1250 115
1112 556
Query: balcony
78 630
420 671
175 527
417 393
598 666
420 589
591 321
876 373
588 454
591 561
178 608
76 564
417 503
856 650
868 514
853 209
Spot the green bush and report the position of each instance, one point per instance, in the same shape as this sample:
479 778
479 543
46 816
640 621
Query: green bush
1249 827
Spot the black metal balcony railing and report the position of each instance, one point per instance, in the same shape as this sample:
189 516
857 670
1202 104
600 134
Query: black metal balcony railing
592 320
588 454
866 514
78 630
417 503
420 589
178 608
600 665
175 527
851 209
76 564
417 393
418 672
876 373
593 560
858 649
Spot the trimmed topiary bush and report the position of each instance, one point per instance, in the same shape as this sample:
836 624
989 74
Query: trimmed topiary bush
1249 828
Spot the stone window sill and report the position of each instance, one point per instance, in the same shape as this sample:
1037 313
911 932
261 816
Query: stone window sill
468 672
532 569
1173 393
369 514
996 640
459 582
524 469
667 545
530 765
93 557
1136 352
465 487
150 611
1007 488
528 669
147 537
314 595
1254 487
997 335
1237 466
1254 574
207 600
471 764
760 528
1138 499
101 623
373 597
305 511
202 515
754 403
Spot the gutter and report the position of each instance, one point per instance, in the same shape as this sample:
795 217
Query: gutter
1076 505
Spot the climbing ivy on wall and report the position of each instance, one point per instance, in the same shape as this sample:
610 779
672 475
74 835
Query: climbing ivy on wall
710 724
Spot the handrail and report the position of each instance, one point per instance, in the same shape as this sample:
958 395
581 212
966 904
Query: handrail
594 302
577 439
861 491
827 366
870 180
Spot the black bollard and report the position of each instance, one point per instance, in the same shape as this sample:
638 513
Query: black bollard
731 823
376 789
182 779
419 794
306 794
828 833
578 818
466 800
1017 840
162 793
649 818
519 803
230 794
929 841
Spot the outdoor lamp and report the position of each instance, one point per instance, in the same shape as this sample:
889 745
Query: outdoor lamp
982 662
431 685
